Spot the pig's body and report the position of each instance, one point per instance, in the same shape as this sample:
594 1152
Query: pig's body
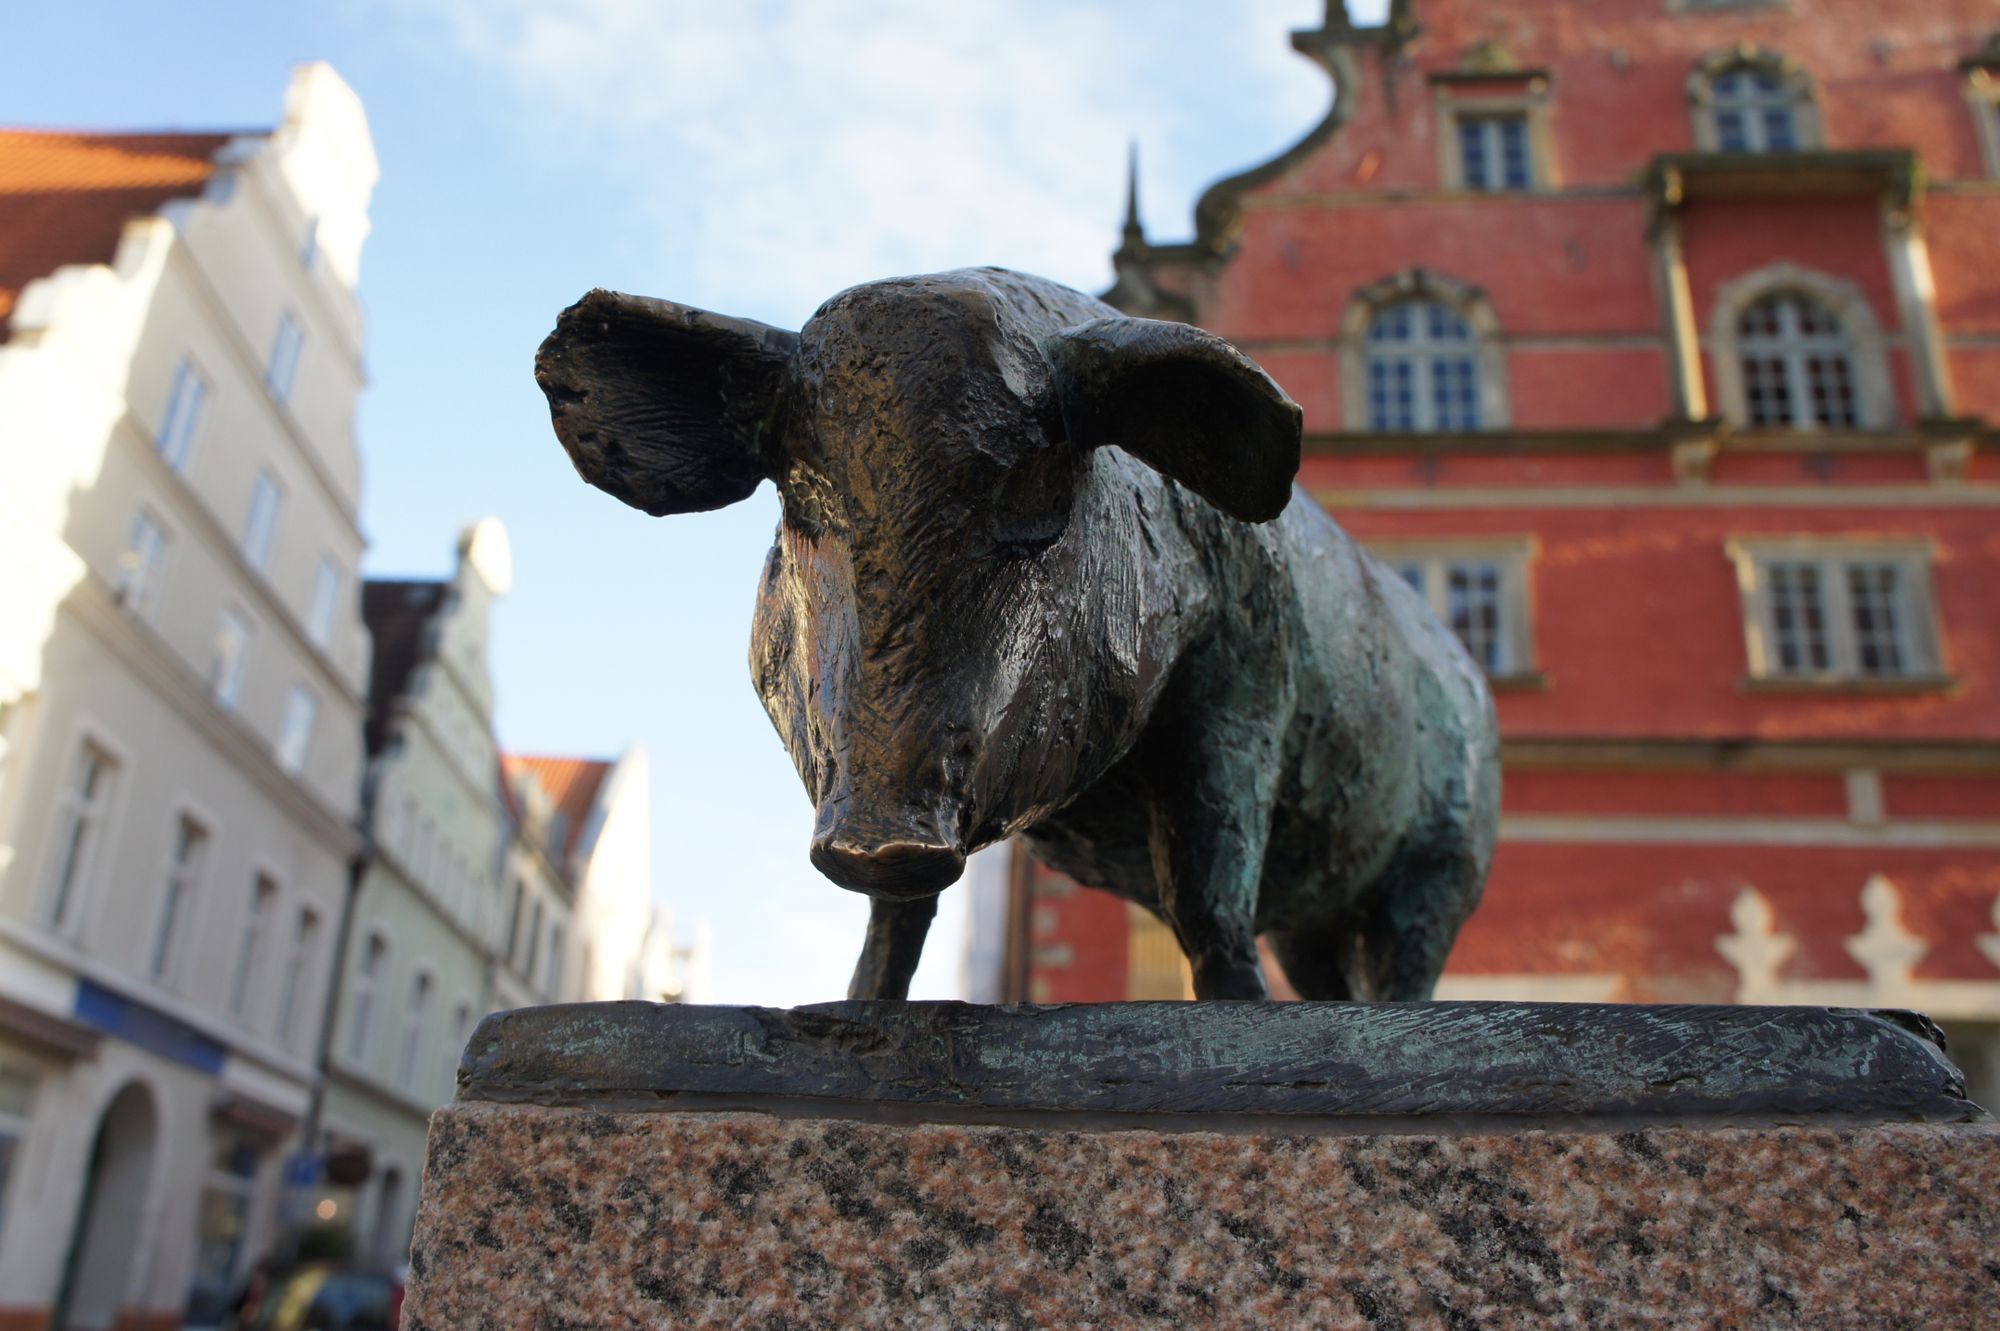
981 619
1312 698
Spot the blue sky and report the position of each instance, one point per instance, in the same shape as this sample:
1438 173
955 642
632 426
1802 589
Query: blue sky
744 155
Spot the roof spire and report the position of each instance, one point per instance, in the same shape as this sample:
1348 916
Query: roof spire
1135 231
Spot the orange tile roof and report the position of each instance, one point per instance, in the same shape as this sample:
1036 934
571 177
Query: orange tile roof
65 197
572 785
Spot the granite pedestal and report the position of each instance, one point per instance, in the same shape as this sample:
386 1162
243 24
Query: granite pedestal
1219 1165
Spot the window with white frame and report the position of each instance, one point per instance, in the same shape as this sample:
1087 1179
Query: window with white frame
552 983
1830 612
141 566
295 734
183 879
1797 364
1750 99
1423 369
250 943
325 599
416 1012
17 1103
1755 111
186 400
1493 152
1481 595
461 1035
532 964
260 524
80 816
223 1225
283 368
369 970
298 962
230 660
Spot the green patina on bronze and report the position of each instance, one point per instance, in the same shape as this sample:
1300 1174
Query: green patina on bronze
1043 573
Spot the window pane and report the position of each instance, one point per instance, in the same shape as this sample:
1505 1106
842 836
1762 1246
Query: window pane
1514 151
231 659
139 567
326 597
77 824
261 523
1792 345
1419 375
183 415
250 946
183 870
1780 130
1472 150
1798 618
1874 594
1832 384
284 364
296 736
1472 598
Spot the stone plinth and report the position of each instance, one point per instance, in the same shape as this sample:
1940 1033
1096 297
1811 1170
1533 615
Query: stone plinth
1207 1165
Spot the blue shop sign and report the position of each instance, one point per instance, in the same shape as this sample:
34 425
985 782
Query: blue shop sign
147 1027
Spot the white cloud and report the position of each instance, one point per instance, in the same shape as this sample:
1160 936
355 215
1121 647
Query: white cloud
784 151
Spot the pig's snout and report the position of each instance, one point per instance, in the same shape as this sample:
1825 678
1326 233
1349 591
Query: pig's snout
899 867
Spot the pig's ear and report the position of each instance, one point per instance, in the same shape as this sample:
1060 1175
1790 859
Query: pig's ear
1185 402
669 408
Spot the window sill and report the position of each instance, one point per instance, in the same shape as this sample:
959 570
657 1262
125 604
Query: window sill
1524 681
1854 684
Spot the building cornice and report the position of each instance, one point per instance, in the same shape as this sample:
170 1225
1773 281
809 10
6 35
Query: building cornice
1895 174
1664 438
1930 757
93 606
237 1041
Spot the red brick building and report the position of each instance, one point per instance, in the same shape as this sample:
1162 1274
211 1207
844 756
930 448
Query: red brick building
1658 341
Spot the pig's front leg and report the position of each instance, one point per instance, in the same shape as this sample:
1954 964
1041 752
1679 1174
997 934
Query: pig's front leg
895 944
1211 819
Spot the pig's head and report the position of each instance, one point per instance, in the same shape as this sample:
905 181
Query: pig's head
931 442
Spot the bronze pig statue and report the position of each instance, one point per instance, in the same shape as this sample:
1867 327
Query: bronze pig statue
1042 572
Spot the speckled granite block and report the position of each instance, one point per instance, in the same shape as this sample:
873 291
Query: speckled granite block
552 1200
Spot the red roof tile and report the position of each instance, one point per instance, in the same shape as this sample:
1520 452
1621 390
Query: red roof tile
572 785
65 197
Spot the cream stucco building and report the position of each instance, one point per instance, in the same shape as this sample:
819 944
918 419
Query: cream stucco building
182 674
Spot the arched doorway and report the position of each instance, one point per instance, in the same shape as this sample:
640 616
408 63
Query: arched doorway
99 1270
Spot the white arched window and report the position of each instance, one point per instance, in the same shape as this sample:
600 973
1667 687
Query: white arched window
1795 349
409 1056
1798 364
1752 100
368 976
1421 353
1423 369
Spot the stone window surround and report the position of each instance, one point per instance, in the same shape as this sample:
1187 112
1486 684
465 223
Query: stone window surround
1470 303
1914 554
1982 96
1805 100
1526 96
1516 557
1874 394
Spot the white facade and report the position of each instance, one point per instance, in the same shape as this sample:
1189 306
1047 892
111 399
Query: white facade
418 971
182 671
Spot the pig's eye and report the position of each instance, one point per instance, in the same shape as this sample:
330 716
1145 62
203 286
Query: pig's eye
1030 507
